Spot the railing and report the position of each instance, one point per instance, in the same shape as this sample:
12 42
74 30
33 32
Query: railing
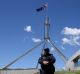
32 71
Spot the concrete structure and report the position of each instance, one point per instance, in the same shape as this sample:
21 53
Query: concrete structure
20 71
74 62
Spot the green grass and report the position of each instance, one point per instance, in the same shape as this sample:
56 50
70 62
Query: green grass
65 72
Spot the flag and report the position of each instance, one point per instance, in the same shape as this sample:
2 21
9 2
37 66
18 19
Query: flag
40 9
44 6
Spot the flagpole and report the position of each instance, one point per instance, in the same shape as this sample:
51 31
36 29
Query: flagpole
46 12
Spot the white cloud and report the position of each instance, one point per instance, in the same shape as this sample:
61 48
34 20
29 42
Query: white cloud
36 40
71 41
52 49
72 36
76 40
71 31
66 41
28 29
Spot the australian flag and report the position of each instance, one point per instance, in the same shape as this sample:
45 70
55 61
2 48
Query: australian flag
44 6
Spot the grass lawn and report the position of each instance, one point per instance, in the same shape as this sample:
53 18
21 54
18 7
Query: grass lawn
65 72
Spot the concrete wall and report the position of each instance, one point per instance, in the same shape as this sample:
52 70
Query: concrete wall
31 71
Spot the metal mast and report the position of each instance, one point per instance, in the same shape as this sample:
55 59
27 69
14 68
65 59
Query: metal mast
48 40
26 53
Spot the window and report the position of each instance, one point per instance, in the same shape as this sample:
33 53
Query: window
77 64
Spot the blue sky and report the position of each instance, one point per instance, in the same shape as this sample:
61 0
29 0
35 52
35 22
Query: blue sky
21 28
